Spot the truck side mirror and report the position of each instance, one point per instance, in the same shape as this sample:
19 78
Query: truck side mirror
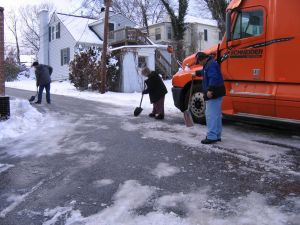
228 26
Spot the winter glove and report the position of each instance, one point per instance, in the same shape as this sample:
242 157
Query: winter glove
199 73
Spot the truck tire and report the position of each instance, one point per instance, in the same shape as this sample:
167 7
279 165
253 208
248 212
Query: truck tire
197 107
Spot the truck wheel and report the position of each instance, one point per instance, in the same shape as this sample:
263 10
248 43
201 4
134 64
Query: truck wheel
197 107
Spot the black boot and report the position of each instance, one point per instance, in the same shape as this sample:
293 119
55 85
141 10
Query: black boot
151 115
207 141
38 102
159 117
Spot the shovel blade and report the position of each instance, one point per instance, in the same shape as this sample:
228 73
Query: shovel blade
137 111
188 119
32 98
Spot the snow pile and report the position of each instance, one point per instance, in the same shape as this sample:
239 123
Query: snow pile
24 119
198 207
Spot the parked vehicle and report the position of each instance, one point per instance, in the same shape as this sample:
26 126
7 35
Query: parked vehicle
259 57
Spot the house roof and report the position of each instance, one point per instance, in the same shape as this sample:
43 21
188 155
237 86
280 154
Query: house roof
101 20
79 28
193 19
139 46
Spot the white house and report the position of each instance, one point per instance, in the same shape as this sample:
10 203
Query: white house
63 34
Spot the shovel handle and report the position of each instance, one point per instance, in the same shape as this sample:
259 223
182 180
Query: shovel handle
141 100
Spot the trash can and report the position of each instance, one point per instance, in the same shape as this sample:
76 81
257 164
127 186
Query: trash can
4 108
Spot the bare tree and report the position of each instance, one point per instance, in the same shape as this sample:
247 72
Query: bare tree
177 21
13 25
142 12
30 25
218 11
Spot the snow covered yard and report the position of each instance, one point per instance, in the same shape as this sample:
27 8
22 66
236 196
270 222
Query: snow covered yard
255 151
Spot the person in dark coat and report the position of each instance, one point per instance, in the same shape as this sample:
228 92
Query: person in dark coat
214 90
157 91
43 80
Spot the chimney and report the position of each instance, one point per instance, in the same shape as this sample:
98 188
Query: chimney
43 56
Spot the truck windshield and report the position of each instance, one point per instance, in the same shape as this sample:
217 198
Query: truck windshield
248 24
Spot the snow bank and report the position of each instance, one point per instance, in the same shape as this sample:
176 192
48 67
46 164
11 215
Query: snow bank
121 99
24 119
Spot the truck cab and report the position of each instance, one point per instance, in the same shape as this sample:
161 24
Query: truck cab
258 59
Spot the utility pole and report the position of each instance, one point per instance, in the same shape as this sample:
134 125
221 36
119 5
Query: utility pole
103 68
2 76
4 100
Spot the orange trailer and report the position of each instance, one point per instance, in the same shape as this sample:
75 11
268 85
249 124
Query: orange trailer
258 57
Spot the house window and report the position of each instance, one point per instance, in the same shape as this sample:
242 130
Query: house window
52 33
65 56
111 28
220 36
169 33
57 29
142 61
157 34
205 35
49 34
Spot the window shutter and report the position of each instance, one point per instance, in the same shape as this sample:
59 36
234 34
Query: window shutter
62 57
68 55
205 35
58 31
49 34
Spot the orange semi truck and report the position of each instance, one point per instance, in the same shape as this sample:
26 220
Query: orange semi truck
259 57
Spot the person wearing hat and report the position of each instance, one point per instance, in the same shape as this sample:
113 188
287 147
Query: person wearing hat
157 91
214 90
43 80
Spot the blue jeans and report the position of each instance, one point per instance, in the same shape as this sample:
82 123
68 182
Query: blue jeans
41 89
213 115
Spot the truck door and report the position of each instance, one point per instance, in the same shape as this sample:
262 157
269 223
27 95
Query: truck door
249 92
247 55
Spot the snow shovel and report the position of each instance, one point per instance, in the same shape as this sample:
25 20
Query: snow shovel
33 96
188 119
139 109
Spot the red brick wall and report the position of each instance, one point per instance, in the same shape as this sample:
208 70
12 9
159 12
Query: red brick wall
2 77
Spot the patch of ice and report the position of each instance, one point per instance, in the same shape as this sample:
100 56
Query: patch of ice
17 199
4 167
103 182
165 170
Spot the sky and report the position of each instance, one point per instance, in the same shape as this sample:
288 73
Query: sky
65 6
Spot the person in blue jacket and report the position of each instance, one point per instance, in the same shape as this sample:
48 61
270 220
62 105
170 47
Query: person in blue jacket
214 90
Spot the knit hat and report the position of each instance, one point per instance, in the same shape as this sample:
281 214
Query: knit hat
201 56
36 63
